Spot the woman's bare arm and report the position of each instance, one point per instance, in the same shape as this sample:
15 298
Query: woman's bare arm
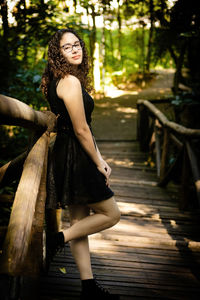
69 90
106 166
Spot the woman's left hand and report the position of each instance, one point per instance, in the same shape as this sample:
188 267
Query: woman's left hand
108 170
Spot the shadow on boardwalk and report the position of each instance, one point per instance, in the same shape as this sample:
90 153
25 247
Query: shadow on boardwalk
154 251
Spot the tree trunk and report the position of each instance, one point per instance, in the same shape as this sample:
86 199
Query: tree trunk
103 53
5 58
111 44
93 38
119 31
25 44
142 67
4 14
142 50
178 73
151 9
75 3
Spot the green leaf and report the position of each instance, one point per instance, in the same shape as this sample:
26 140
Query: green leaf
63 270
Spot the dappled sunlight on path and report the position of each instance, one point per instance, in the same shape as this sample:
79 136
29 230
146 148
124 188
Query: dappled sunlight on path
159 87
113 92
115 116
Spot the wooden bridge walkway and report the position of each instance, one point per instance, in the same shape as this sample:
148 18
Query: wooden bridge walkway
152 253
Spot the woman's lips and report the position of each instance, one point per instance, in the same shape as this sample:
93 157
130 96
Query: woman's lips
76 57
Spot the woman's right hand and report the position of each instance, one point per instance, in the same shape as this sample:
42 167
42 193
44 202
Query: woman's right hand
103 169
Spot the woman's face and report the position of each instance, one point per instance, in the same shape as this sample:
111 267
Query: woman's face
71 48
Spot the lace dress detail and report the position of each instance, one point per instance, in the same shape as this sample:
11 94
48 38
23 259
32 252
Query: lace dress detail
72 177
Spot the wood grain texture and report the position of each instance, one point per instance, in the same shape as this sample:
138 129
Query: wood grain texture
19 231
152 253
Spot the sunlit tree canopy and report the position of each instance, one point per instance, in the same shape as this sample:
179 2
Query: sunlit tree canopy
126 40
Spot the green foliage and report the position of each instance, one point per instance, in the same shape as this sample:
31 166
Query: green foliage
23 44
26 87
131 62
135 8
13 142
179 35
37 21
161 55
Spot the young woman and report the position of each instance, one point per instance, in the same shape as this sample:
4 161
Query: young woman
78 176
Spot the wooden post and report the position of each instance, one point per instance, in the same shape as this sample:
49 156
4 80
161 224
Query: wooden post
158 147
169 173
165 150
53 219
185 175
195 169
21 220
143 127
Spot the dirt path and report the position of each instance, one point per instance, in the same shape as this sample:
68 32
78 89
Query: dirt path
115 117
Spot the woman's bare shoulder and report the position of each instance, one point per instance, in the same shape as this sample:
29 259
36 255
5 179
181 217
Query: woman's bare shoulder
69 80
68 85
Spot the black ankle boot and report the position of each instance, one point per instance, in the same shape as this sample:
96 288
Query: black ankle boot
92 290
54 243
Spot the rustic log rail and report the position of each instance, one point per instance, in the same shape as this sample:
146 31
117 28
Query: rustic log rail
175 151
26 222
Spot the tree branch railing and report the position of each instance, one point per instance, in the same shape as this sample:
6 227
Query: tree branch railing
25 229
175 149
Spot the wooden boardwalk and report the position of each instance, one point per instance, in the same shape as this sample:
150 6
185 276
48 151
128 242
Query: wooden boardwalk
152 253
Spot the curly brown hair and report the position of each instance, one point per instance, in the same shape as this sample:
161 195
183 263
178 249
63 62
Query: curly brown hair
58 67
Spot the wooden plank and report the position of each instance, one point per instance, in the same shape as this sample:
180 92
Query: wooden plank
190 230
154 241
157 202
100 255
122 171
21 220
152 253
194 168
144 209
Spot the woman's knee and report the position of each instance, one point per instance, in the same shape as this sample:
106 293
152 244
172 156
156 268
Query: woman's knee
113 211
115 216
110 209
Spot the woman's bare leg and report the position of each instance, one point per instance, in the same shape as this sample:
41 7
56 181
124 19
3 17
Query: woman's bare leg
106 214
80 247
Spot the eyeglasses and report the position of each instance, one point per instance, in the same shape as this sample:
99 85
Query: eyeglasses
69 48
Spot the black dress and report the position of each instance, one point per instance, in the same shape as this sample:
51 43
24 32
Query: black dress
72 177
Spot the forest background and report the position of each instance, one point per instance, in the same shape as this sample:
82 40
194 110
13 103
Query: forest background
126 40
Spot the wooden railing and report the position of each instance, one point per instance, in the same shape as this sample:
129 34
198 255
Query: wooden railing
22 251
175 149
23 245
